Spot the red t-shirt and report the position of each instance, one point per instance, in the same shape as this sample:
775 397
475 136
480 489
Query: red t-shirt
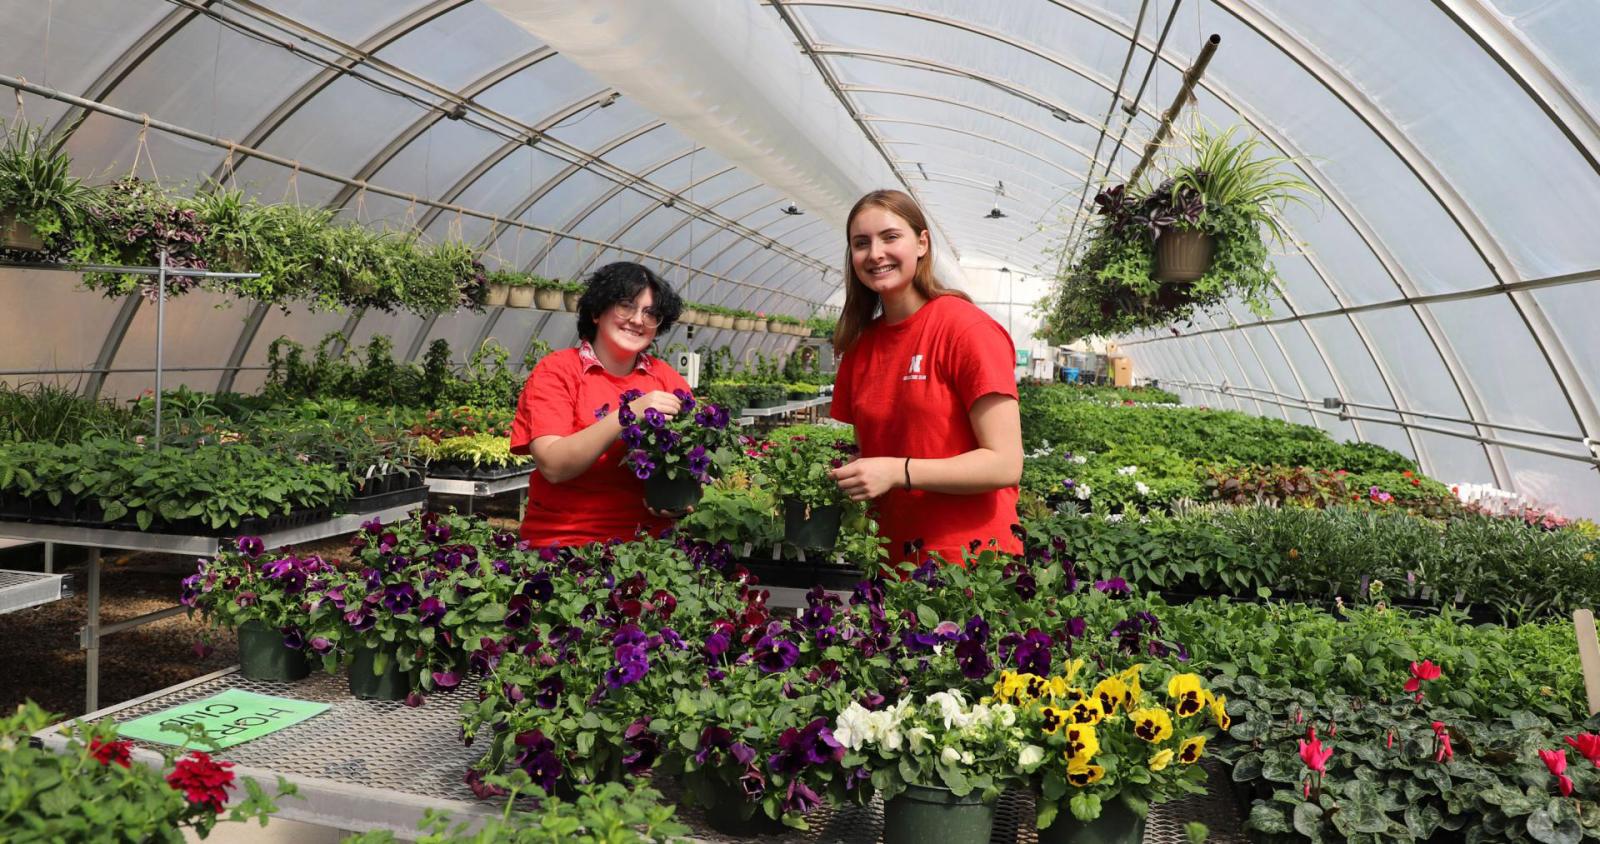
909 388
568 391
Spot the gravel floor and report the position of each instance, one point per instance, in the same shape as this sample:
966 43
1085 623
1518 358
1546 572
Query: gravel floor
40 645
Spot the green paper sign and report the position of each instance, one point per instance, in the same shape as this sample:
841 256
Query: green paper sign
231 717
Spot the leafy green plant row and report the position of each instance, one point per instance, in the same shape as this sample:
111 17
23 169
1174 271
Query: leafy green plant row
1502 567
336 371
218 485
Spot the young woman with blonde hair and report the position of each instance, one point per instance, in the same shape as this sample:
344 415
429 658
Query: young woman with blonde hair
927 379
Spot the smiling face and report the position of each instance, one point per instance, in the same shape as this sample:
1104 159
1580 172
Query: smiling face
625 329
885 249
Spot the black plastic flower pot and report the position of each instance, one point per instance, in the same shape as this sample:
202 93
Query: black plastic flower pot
730 814
671 494
922 813
262 655
1117 824
818 529
392 684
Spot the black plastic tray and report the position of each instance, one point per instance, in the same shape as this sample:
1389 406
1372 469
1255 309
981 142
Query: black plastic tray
467 472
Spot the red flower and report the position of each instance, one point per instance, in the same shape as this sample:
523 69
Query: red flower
1421 671
1315 755
1587 744
1556 761
203 781
107 752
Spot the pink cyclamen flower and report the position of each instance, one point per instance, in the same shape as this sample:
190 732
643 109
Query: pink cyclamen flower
1315 755
1420 672
1587 744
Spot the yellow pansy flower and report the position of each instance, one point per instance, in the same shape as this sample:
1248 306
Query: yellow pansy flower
1188 695
1111 692
1053 719
1130 678
1082 774
1161 760
1219 711
1152 725
1072 669
1088 711
1082 744
1189 752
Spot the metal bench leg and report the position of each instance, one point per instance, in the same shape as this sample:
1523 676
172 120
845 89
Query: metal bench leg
91 636
49 558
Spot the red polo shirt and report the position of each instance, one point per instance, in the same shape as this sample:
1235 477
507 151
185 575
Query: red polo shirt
568 391
909 389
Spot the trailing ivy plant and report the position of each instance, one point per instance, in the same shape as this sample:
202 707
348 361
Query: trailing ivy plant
36 185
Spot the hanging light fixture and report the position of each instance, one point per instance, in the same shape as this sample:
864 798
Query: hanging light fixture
995 213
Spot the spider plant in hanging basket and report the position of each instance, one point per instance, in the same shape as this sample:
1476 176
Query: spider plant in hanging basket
1201 236
40 202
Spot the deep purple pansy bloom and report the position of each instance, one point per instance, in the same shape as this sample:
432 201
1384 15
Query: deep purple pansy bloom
250 546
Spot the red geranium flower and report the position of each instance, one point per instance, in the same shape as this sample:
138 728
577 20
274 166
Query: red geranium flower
107 752
202 780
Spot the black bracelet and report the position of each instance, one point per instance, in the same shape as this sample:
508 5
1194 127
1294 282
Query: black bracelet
908 473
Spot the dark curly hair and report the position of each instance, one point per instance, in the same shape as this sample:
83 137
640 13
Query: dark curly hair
620 282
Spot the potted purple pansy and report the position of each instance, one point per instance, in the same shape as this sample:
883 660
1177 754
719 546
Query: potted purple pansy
265 598
675 457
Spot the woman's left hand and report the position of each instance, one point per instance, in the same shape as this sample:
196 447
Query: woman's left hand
870 477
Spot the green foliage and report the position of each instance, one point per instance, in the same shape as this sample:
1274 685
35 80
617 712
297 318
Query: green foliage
481 450
73 794
1232 189
799 465
373 375
599 814
49 413
120 480
1392 777
36 184
134 223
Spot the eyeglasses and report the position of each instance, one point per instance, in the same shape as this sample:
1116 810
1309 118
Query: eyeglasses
626 311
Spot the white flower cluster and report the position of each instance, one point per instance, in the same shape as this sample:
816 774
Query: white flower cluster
1127 471
1140 486
858 726
1079 459
1083 491
902 725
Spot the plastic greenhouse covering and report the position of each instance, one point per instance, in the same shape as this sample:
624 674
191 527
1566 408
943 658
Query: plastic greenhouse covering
1441 288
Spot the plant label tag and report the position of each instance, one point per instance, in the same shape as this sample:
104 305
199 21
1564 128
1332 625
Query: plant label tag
231 717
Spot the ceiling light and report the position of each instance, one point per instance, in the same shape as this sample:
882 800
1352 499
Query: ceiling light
995 214
792 210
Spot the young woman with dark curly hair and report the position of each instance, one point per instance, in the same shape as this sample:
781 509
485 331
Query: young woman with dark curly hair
567 419
927 379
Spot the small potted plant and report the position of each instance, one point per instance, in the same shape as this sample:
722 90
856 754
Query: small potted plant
1111 747
743 321
548 295
675 457
812 503
500 284
940 763
40 202
266 599
570 293
521 291
92 786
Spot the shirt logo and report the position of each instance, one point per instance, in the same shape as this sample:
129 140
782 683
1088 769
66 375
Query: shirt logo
914 372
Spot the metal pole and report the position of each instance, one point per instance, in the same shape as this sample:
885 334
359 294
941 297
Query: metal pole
1190 77
91 637
161 326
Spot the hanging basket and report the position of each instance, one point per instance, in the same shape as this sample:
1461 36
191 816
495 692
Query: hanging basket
519 297
15 234
548 299
1183 255
497 295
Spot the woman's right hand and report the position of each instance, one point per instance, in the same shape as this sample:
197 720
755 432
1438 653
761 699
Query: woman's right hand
661 401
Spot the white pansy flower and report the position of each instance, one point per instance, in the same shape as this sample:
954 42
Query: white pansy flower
967 758
1083 491
918 737
1029 758
950 756
1127 470
853 729
1079 459
1143 490
1004 715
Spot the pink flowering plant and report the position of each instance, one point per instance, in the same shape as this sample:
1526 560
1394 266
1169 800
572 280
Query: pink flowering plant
1332 767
